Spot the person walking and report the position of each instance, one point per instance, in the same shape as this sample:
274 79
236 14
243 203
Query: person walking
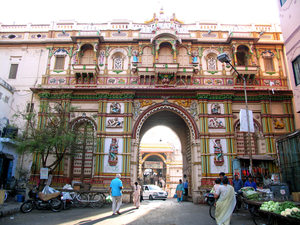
179 191
225 203
116 194
136 194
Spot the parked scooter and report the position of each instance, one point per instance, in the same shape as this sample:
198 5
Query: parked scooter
40 201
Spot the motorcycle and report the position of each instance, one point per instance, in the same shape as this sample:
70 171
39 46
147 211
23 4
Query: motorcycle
209 197
41 201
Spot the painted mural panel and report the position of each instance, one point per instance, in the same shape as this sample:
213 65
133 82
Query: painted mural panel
115 108
114 124
113 147
218 160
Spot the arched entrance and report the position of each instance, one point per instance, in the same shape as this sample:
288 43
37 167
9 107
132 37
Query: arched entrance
182 123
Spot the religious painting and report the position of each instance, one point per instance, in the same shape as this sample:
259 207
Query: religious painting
113 158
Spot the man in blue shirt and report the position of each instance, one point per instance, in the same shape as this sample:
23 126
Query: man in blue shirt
250 182
222 175
185 186
237 183
116 194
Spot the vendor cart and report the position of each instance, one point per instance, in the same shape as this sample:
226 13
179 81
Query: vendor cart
276 219
273 218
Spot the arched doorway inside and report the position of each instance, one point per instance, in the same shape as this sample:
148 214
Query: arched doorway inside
160 151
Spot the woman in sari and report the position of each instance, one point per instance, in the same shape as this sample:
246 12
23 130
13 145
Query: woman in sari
136 194
179 191
225 204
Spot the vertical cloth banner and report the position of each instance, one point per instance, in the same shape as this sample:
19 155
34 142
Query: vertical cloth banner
244 121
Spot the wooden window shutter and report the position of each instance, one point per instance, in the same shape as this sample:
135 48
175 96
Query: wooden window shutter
60 61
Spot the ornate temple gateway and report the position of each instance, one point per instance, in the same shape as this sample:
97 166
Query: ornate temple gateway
127 77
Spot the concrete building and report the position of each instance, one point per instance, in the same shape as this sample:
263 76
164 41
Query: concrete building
290 25
126 77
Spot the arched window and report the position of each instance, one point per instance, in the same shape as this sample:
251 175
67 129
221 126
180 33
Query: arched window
118 63
268 57
211 62
183 57
147 57
165 54
88 57
242 55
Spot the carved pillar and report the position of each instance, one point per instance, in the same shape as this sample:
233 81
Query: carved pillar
136 161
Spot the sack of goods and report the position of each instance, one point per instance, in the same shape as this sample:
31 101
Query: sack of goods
250 193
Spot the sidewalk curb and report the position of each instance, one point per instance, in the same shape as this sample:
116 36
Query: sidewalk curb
8 212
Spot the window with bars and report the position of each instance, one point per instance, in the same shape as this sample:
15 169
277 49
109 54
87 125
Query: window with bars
13 71
59 63
211 63
118 63
30 107
269 64
296 69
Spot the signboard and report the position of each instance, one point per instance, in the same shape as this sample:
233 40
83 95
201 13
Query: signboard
153 165
244 120
44 173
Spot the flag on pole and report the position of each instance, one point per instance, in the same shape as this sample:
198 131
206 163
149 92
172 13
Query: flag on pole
244 121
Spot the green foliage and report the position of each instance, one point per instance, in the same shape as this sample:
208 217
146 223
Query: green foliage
49 133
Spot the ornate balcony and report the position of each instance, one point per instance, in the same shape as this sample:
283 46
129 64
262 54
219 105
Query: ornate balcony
245 71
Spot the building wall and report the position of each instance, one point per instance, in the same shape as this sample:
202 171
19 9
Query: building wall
290 25
189 92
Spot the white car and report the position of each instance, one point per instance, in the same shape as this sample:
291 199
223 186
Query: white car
152 192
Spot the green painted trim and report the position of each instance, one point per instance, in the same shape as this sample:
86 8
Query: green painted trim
212 72
118 71
58 71
146 69
270 73
184 70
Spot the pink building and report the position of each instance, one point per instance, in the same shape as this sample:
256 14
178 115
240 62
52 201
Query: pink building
290 25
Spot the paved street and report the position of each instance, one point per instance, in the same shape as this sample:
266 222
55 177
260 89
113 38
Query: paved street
154 212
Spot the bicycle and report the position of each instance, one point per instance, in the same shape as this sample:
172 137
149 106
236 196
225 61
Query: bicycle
92 199
212 208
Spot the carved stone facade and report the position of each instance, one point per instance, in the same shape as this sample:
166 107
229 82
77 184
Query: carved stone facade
128 77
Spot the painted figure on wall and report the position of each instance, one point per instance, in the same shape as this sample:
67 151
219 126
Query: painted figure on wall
135 56
113 151
218 159
195 58
101 58
115 108
215 123
114 123
215 108
136 109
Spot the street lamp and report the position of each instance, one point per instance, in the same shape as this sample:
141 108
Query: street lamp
223 58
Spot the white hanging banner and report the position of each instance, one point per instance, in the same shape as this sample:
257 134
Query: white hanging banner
244 121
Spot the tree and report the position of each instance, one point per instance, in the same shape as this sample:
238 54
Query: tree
49 134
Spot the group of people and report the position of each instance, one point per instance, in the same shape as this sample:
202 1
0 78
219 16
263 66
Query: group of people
225 195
